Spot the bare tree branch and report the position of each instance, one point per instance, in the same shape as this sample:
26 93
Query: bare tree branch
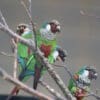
15 59
94 95
64 89
6 54
37 94
3 19
30 18
30 6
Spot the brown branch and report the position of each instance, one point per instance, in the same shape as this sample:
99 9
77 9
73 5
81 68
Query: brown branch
24 87
51 71
15 58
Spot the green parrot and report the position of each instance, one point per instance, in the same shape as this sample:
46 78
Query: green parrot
81 81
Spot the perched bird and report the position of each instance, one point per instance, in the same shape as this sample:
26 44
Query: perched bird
80 84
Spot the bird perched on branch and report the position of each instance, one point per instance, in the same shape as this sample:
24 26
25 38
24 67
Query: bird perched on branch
46 40
23 53
80 84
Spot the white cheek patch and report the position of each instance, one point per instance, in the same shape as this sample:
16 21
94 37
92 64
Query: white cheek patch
46 33
48 27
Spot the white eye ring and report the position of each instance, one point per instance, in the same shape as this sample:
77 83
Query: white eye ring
48 27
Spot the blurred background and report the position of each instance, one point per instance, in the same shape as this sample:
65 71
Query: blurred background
80 36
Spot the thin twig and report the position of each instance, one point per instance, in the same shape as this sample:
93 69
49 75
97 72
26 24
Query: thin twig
15 65
6 54
15 59
3 19
83 13
69 72
30 17
30 7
